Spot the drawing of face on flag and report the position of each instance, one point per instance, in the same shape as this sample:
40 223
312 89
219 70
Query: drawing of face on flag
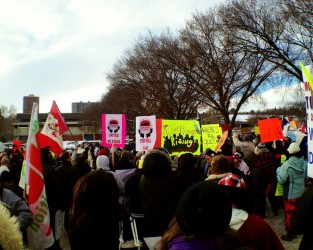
51 127
51 133
113 130
145 132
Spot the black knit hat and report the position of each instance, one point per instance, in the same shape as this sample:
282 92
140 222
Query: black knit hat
204 210
210 152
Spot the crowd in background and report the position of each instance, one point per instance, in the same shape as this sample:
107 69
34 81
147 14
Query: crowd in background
216 200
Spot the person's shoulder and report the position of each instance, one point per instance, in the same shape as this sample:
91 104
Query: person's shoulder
254 218
6 191
9 197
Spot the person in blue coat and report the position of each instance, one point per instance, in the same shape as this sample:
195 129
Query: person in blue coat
291 174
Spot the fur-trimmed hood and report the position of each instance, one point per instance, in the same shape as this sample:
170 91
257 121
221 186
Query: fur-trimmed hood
10 235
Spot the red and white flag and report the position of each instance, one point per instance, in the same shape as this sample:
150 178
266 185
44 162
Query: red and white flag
303 128
39 234
51 133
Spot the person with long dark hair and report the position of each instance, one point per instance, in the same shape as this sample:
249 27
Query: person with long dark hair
94 214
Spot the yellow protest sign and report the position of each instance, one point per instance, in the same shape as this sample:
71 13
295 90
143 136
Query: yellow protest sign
211 134
181 136
256 130
307 74
279 190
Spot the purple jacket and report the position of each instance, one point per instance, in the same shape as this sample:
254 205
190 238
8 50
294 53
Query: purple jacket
194 244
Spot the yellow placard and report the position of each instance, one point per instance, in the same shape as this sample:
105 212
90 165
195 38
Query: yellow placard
256 130
211 134
180 136
279 190
307 74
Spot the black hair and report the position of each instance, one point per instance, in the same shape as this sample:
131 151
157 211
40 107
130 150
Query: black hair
204 210
156 164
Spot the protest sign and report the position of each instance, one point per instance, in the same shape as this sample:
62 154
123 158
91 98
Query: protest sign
211 134
113 130
221 141
181 136
270 129
308 84
145 132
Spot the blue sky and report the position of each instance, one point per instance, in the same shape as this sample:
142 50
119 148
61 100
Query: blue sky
61 50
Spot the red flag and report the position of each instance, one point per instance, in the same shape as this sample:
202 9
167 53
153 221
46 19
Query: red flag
303 128
51 134
40 235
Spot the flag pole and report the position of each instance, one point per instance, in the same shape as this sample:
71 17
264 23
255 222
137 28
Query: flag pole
71 134
113 153
73 138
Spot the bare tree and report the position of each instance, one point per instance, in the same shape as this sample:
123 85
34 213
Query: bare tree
220 60
7 116
220 73
280 30
159 87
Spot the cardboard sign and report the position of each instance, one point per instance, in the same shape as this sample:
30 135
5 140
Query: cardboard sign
256 130
145 132
210 135
270 129
113 130
221 141
181 136
308 85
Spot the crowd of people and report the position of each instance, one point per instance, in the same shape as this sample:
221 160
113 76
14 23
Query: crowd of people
216 200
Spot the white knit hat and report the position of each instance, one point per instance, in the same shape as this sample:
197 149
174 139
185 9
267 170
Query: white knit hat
293 148
102 162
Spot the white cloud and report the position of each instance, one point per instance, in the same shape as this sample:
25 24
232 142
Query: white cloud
59 50
274 97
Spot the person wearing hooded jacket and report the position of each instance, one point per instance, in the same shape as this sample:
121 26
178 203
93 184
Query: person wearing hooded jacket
253 230
67 176
201 221
246 145
103 163
17 207
160 191
291 174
